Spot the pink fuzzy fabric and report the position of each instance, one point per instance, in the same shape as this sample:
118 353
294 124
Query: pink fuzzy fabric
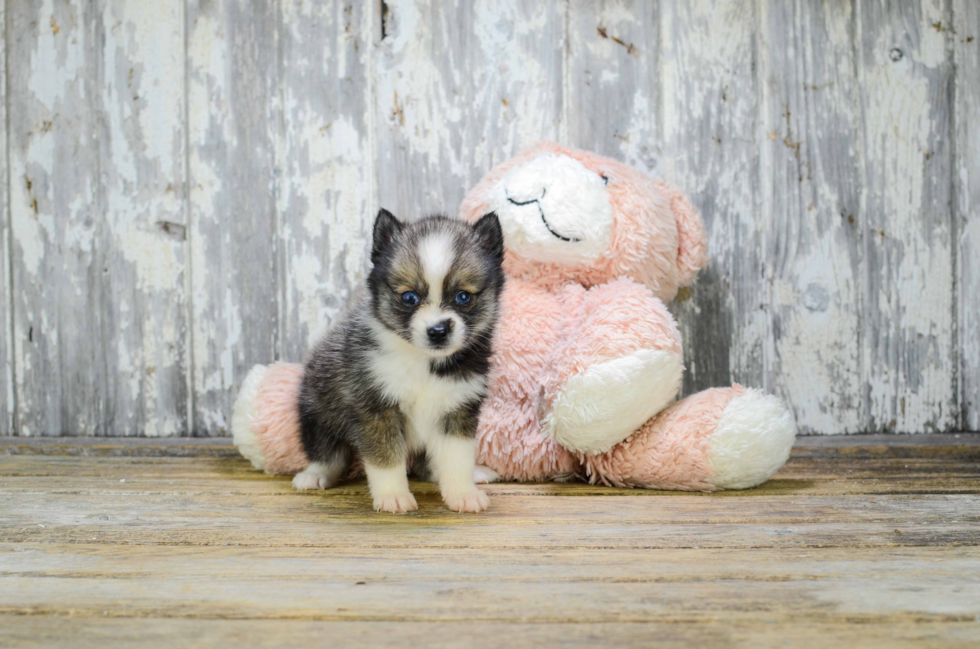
276 421
657 239
602 323
556 321
671 451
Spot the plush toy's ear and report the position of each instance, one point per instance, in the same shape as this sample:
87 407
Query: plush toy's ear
386 226
692 244
490 235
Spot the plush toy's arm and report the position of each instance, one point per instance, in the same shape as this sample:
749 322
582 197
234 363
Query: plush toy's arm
619 363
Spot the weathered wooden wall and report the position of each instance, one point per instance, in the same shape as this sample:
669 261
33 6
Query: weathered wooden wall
189 186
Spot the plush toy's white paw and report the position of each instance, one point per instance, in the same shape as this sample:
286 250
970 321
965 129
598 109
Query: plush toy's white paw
484 475
752 441
471 501
599 408
395 503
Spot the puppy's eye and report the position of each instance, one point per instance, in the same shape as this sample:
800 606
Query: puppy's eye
605 179
463 298
410 298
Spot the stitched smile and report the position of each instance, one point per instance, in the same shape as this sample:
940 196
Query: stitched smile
541 212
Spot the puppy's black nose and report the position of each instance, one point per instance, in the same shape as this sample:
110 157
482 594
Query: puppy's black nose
439 332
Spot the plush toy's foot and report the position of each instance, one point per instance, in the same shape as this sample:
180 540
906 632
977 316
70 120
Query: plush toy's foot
751 442
265 420
603 405
724 438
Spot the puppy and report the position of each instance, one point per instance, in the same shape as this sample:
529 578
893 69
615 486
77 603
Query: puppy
405 372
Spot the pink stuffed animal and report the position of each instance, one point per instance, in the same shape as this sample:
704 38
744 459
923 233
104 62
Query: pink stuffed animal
587 359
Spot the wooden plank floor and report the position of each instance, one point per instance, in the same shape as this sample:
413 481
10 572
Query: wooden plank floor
856 542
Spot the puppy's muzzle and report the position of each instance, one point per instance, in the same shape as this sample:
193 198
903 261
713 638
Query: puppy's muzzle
439 333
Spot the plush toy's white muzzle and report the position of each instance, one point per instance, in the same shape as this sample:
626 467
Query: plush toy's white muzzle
554 209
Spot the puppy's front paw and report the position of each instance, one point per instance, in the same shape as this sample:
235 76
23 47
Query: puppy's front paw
395 503
470 501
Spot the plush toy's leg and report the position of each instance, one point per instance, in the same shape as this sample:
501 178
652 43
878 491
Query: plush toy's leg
723 438
620 365
510 445
265 421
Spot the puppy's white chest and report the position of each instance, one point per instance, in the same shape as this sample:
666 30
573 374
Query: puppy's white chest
424 397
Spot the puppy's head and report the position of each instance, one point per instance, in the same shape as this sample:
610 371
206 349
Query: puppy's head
436 282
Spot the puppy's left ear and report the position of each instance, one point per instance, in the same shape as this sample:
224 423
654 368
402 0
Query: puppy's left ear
386 227
490 236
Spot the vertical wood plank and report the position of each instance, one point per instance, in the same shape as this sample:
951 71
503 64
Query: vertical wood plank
710 99
142 173
232 85
966 175
460 88
905 78
6 322
811 200
326 159
613 94
59 260
97 270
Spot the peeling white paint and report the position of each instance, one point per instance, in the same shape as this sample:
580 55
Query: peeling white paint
126 300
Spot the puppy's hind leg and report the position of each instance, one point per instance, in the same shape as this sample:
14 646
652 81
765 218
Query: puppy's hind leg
321 475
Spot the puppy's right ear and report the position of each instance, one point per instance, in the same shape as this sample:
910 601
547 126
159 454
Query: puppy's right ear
386 227
490 235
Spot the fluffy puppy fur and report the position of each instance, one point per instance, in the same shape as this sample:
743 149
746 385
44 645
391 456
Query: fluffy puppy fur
402 377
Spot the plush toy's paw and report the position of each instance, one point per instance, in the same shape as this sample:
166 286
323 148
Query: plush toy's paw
752 440
395 503
605 404
484 475
472 501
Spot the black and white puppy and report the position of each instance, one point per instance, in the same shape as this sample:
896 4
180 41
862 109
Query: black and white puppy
405 372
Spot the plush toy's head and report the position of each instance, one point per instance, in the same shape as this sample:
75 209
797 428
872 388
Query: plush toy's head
574 215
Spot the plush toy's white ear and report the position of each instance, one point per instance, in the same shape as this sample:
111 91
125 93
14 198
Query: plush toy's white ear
692 244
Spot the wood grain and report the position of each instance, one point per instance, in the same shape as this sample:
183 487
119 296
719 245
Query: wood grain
143 183
232 88
326 191
613 86
459 89
811 211
98 632
905 78
711 104
189 186
966 214
7 396
866 549
97 164
58 259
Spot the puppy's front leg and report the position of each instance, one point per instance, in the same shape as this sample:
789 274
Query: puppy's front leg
385 456
454 458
